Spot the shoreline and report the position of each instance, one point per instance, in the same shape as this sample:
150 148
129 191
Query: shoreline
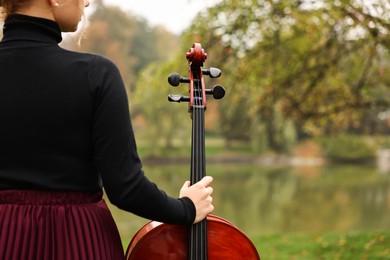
279 160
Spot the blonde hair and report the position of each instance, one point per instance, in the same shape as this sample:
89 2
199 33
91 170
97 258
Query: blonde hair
8 7
3 11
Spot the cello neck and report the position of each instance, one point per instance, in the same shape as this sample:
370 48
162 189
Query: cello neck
198 158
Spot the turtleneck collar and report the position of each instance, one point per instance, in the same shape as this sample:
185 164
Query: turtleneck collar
18 27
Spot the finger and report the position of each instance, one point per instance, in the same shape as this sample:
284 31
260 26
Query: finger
205 181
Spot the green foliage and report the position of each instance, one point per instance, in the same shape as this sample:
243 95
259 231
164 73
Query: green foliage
348 148
166 124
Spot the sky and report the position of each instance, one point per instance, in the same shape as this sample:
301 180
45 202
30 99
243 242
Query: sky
174 15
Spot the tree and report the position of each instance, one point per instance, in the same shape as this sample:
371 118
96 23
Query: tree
314 67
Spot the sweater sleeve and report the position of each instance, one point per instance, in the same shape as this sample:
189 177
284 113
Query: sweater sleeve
115 153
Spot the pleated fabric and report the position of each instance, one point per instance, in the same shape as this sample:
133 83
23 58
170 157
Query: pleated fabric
36 225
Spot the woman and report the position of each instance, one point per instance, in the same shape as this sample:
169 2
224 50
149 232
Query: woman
65 134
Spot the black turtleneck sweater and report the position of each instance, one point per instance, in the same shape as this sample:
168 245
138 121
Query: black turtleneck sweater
65 124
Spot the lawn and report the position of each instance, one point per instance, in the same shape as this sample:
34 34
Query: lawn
353 245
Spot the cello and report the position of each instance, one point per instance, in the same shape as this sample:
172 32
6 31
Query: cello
214 237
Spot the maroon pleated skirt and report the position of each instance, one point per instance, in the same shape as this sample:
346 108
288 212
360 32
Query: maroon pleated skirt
57 226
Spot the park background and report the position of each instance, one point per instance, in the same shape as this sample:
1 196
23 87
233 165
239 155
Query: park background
298 147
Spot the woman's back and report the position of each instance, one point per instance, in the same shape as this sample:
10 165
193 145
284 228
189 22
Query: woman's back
46 111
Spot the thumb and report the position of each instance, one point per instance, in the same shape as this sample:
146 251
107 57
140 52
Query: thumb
185 185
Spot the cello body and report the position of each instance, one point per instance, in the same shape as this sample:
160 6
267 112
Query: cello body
156 240
214 237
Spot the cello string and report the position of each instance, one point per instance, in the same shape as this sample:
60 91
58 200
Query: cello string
192 179
200 127
195 228
195 236
198 148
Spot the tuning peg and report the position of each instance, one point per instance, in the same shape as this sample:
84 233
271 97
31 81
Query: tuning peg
212 72
178 98
218 92
175 79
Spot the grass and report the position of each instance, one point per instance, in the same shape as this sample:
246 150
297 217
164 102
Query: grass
353 245
328 246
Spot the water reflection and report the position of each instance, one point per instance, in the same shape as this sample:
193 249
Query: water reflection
262 200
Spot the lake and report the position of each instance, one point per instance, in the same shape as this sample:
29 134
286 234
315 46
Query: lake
264 200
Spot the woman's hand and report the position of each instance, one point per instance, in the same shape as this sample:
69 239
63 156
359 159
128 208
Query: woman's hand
200 194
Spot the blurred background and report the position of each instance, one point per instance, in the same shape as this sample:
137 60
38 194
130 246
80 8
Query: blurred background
300 145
